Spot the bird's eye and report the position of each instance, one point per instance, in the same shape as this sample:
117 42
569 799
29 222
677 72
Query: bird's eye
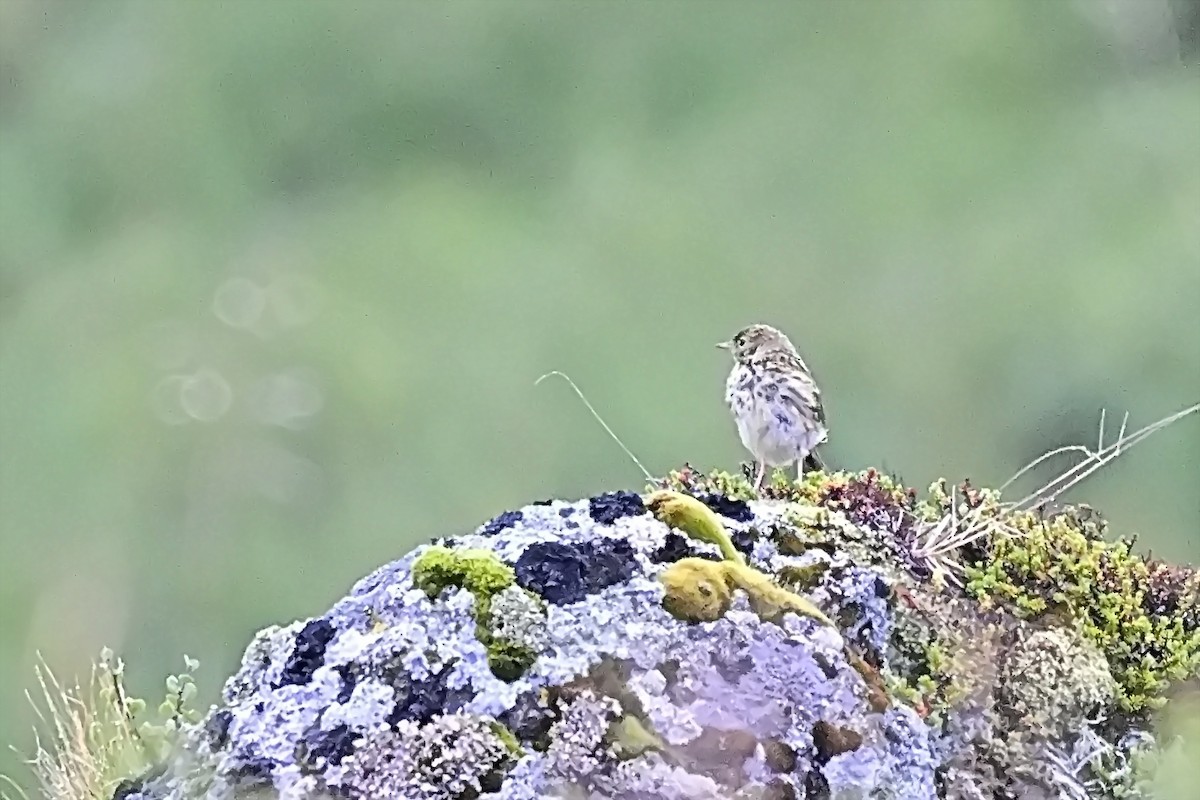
739 339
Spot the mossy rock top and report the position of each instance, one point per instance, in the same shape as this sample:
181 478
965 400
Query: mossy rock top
721 645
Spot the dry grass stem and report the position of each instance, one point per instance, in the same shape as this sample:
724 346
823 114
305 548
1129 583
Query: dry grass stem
86 736
65 766
953 531
599 419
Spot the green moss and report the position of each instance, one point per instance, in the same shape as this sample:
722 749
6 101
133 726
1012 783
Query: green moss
484 575
480 572
507 659
1143 619
812 486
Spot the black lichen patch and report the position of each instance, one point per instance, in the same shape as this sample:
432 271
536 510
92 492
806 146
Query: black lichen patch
331 746
609 507
138 786
216 727
611 561
670 672
744 541
734 509
561 573
308 654
827 667
501 522
676 547
254 770
349 674
422 700
493 781
530 720
815 786
851 616
553 570
127 789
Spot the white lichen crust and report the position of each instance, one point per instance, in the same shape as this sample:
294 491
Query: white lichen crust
535 657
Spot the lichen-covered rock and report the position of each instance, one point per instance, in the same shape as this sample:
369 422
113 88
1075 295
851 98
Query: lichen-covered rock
698 642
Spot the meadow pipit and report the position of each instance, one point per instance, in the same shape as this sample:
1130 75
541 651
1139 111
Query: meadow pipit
774 399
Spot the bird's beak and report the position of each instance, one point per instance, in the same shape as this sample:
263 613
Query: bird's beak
724 345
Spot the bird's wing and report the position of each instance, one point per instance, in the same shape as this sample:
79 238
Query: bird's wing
799 389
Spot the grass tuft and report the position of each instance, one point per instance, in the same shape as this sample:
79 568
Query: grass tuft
92 737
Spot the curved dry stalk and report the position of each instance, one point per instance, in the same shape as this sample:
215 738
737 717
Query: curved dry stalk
599 419
66 767
4 795
950 533
1099 458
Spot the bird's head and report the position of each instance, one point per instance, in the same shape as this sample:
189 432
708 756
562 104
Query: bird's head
756 340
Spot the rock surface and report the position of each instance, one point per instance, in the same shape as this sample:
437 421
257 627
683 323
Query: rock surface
591 649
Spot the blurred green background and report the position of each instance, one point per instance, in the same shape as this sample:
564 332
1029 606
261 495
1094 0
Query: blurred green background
277 279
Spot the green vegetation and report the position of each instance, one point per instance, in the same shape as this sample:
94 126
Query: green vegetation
96 736
1144 616
1141 615
485 576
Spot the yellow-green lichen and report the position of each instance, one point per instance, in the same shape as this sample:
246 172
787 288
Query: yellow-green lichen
698 590
1143 618
808 526
631 737
815 527
803 578
691 516
484 575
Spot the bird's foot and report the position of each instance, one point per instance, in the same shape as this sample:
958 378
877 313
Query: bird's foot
760 474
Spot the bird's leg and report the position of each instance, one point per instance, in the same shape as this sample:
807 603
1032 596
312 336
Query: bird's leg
760 472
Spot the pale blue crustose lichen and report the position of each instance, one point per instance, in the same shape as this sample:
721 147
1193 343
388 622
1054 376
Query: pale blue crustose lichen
699 642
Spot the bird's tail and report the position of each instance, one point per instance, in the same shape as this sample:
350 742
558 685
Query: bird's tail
813 461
